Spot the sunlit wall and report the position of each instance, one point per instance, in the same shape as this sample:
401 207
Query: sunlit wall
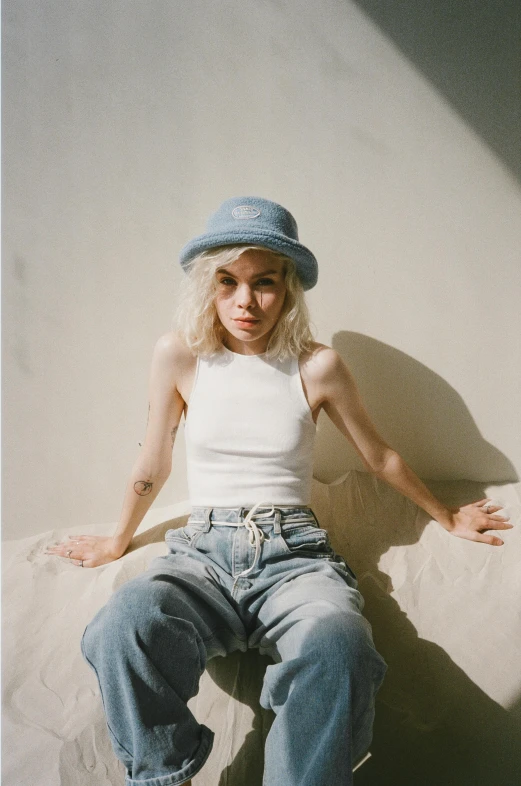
126 124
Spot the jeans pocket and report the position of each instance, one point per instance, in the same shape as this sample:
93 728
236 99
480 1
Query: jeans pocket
306 539
187 534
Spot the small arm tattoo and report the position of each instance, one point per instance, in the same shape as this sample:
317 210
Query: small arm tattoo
173 433
143 487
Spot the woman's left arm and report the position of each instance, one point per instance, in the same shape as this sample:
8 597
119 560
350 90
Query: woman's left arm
342 402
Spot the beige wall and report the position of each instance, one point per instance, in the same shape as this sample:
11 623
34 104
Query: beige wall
125 124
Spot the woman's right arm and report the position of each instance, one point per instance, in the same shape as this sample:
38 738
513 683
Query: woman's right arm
152 466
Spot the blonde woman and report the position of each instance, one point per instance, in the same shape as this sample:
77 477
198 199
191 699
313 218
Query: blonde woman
252 567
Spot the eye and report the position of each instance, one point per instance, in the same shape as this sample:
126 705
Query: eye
265 282
227 281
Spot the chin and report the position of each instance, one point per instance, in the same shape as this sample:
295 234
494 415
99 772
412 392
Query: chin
246 335
240 332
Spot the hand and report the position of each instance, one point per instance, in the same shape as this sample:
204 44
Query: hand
86 551
470 522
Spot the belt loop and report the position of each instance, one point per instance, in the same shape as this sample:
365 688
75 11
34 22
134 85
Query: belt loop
276 523
207 519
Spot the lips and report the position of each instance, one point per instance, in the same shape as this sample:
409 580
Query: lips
247 321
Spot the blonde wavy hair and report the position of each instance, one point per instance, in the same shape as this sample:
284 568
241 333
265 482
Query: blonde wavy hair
196 319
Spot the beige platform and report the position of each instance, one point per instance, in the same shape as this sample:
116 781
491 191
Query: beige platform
445 615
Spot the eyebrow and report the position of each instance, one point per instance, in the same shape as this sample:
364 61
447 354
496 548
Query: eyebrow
257 275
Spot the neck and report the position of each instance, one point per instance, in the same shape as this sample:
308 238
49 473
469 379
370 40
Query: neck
246 347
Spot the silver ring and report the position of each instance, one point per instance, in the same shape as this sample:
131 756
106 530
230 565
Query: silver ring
81 563
69 553
486 507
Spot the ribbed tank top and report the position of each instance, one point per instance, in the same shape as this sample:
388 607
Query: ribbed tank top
249 432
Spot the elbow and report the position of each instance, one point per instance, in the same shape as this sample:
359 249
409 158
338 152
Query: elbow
164 473
386 460
164 469
153 469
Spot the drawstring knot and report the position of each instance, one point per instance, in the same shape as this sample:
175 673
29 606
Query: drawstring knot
256 535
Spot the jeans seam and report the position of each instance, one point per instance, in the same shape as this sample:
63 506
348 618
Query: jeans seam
102 699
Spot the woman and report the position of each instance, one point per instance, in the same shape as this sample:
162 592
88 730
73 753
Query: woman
252 567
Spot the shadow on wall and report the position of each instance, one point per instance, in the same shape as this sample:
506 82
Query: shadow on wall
471 54
434 726
416 412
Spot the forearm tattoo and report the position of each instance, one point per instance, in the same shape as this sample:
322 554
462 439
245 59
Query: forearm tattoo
173 433
143 487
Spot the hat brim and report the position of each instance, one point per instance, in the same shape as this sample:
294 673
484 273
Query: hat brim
305 261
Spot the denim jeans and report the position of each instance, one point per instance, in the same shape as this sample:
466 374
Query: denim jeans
298 603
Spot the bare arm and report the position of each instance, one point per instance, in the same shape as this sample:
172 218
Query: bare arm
343 403
154 463
152 466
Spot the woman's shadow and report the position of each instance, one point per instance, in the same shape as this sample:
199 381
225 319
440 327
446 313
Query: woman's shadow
434 726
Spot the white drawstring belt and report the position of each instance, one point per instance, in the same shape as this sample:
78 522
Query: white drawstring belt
257 536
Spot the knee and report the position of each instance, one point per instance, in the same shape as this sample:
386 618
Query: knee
356 656
342 662
343 641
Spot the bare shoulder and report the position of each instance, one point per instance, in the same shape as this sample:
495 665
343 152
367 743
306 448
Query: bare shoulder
171 349
321 363
173 364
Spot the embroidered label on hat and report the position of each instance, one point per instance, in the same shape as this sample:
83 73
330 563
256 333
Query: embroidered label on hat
245 211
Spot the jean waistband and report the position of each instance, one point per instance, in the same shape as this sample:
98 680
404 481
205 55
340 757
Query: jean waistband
250 518
237 515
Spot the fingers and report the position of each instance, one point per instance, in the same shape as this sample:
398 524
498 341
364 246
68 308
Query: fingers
61 548
491 512
491 540
500 523
484 538
57 549
69 551
490 508
80 563
487 503
65 552
66 545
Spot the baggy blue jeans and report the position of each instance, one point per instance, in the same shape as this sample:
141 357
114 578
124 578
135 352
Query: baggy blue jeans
299 604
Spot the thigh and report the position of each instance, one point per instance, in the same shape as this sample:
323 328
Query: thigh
176 596
187 588
315 612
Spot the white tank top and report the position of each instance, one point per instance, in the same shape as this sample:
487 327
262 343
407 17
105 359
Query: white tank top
249 432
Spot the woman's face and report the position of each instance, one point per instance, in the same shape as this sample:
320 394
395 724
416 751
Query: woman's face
250 296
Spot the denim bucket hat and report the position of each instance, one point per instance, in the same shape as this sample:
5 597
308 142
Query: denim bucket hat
255 221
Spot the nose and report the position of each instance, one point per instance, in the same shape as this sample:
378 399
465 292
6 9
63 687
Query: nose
244 296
